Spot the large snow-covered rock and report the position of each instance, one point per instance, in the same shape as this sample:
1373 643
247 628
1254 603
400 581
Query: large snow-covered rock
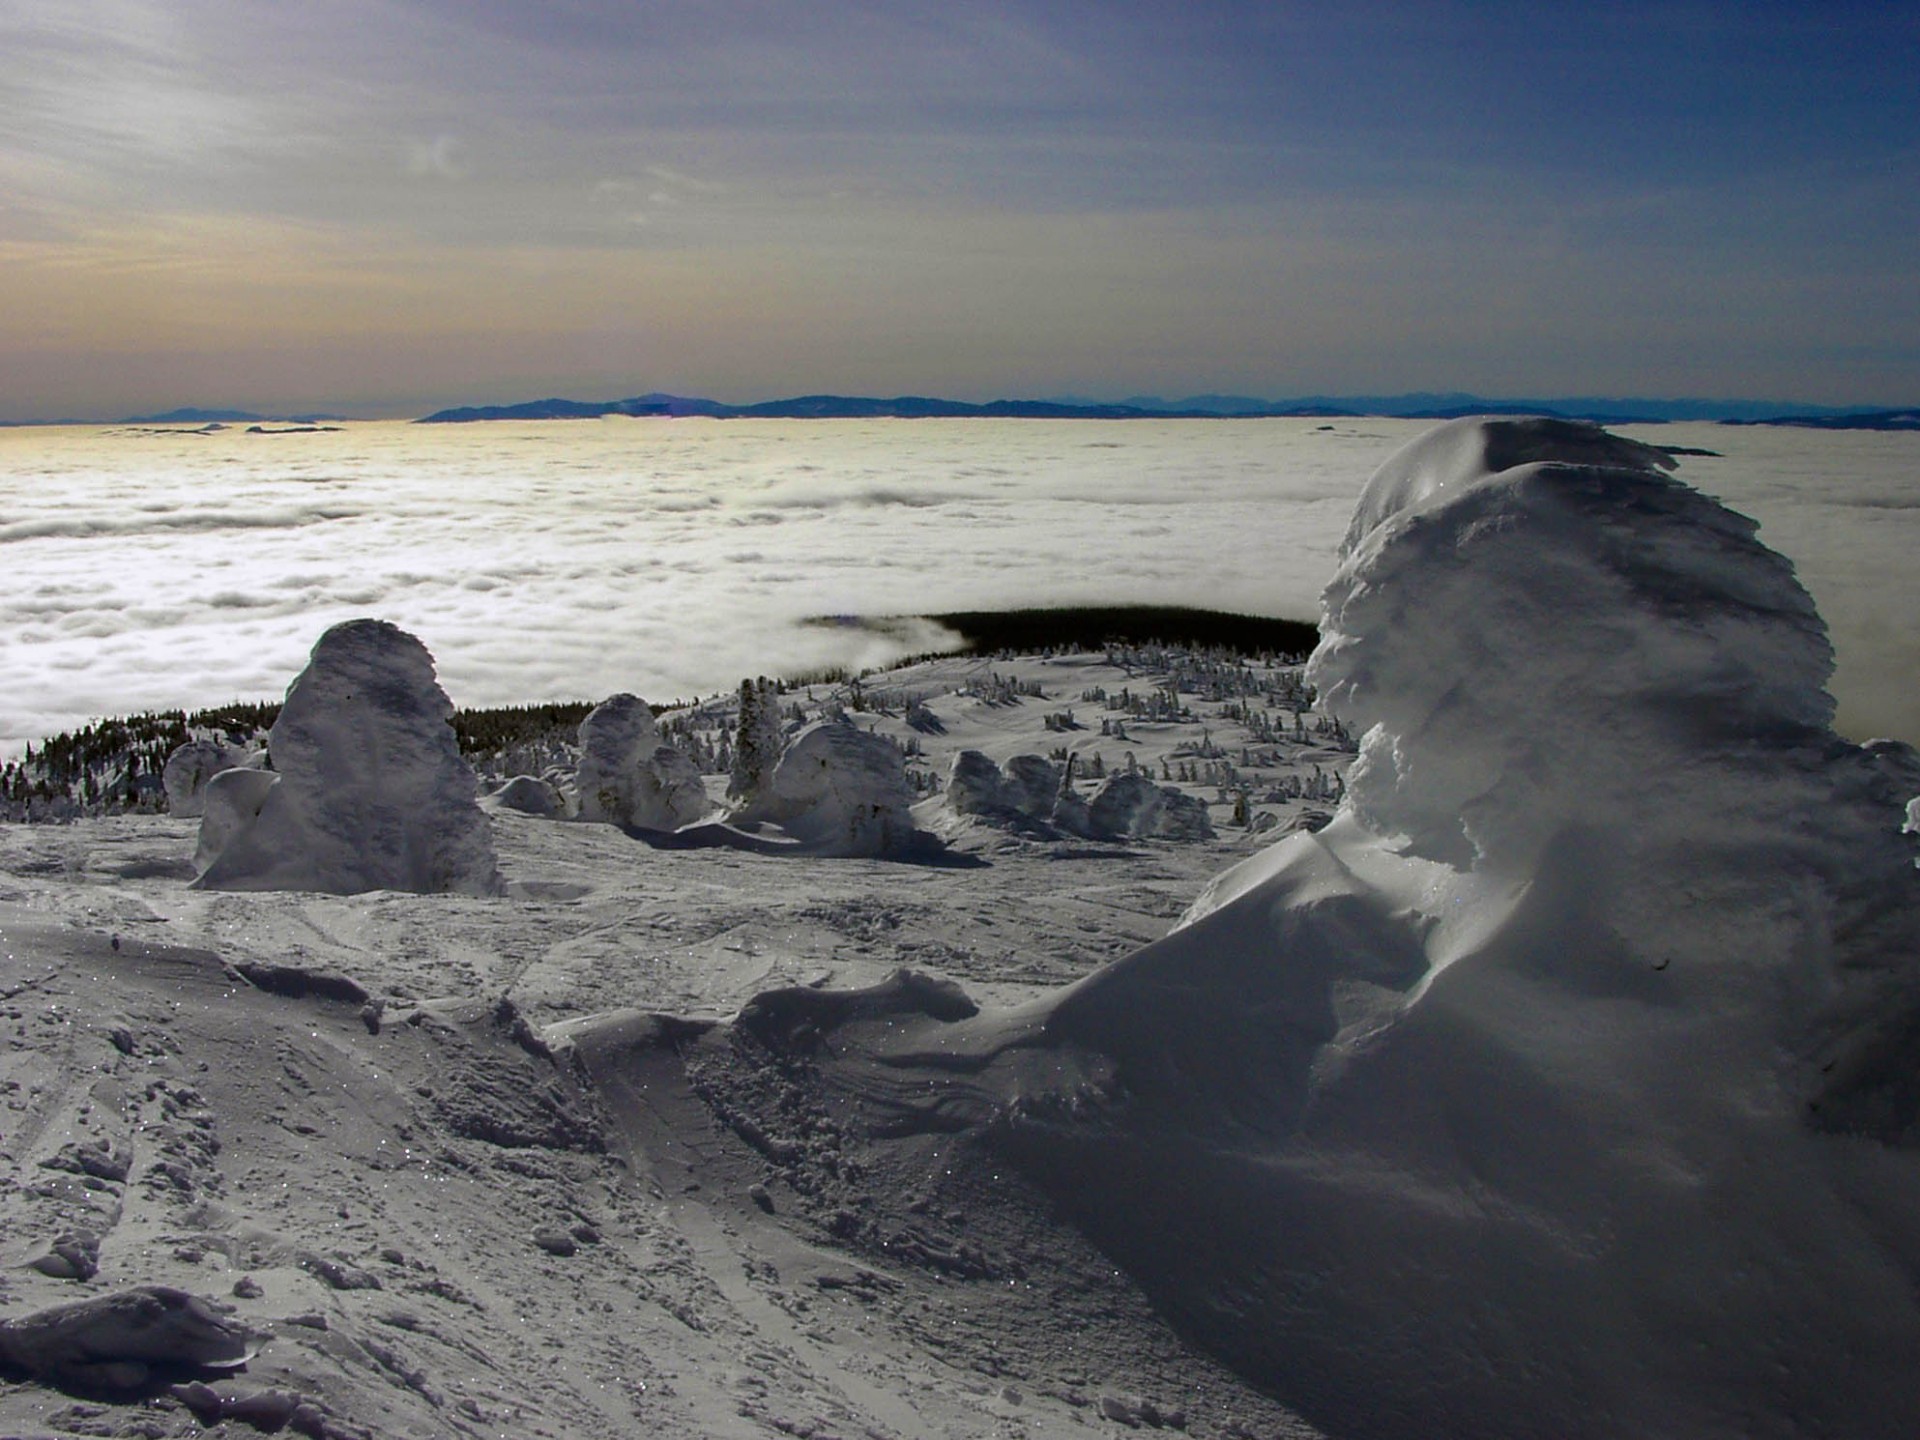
190 767
372 791
627 776
843 791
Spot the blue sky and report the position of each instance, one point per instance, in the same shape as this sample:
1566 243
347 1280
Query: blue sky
384 205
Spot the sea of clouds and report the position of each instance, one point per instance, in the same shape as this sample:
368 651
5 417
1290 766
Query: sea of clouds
570 560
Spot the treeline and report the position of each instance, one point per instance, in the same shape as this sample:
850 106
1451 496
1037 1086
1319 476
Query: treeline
1095 627
114 766
488 732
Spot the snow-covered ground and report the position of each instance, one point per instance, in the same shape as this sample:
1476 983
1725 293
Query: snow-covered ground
1560 1085
360 1138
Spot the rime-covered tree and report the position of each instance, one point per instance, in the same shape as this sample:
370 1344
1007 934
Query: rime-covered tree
757 742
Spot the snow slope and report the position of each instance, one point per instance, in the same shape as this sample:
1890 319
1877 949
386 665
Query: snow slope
336 1110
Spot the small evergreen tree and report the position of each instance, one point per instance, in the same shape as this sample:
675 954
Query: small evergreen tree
757 741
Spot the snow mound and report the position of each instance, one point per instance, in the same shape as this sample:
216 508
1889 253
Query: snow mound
190 767
1033 784
628 777
842 791
1132 807
976 786
1558 641
372 791
229 804
1566 1079
531 795
1030 793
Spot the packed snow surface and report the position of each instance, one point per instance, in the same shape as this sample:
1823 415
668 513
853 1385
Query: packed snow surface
372 792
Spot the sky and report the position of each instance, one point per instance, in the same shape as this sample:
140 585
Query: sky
383 206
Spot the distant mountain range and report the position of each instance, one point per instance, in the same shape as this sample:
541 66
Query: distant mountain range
1418 406
190 416
808 407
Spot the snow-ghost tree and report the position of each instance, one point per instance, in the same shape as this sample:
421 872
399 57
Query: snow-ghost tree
190 767
372 792
531 795
626 776
843 791
975 786
228 804
1129 806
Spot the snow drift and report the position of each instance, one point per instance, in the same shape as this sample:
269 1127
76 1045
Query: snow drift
371 791
1564 1085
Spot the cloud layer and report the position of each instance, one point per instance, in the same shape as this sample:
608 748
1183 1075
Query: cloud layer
670 558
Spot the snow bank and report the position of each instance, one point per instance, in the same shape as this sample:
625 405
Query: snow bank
1567 1084
372 791
627 776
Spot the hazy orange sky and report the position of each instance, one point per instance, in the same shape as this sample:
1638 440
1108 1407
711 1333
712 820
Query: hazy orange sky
382 206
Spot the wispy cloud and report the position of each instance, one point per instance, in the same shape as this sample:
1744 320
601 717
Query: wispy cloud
442 157
1362 177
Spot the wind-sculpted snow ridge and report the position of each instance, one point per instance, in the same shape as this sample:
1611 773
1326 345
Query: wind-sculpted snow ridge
371 791
1564 1085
